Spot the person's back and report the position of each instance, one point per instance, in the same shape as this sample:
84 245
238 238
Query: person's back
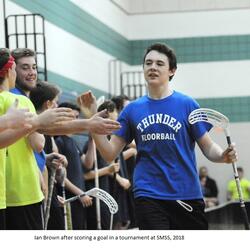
68 147
75 174
104 184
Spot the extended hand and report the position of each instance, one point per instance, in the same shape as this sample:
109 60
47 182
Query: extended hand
100 125
52 117
87 104
18 117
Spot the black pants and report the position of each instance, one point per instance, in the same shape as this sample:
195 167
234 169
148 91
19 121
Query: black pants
2 219
56 220
170 215
29 217
78 215
92 220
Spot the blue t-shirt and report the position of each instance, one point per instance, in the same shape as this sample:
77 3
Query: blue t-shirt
17 91
165 165
40 160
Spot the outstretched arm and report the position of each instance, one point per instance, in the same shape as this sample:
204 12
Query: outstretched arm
109 149
35 122
95 124
10 136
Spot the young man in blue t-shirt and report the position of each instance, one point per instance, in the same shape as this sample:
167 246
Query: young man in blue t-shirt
166 183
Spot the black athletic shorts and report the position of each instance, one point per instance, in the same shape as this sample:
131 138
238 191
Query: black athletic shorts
29 217
2 219
155 214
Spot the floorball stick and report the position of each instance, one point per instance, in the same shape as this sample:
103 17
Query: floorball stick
221 121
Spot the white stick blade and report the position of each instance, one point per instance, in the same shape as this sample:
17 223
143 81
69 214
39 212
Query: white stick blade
210 116
105 197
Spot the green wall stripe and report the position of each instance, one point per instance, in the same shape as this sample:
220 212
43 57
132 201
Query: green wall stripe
76 21
237 109
79 23
200 49
70 86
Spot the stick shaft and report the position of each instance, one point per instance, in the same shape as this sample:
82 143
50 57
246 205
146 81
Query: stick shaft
48 203
239 190
98 205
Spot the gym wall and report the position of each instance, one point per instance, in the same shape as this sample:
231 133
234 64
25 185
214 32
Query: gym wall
212 48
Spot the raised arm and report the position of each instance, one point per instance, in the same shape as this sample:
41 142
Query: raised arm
108 149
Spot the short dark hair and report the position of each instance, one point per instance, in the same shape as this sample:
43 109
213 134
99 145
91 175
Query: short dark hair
166 50
22 52
43 92
109 105
119 101
69 105
4 57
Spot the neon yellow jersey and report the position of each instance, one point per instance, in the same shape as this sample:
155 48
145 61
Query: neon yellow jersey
245 185
2 178
22 173
4 104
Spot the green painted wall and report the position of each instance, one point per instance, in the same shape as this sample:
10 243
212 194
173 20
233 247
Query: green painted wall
79 23
200 49
69 85
237 109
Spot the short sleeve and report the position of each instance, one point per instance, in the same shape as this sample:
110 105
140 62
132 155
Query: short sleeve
200 128
125 131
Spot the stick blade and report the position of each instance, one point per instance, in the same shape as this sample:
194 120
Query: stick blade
105 197
210 116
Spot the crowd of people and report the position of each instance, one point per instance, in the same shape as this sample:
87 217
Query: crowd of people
144 151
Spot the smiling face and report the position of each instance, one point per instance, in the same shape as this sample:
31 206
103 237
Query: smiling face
26 69
156 68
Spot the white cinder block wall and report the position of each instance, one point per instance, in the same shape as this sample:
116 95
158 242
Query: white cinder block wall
74 58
